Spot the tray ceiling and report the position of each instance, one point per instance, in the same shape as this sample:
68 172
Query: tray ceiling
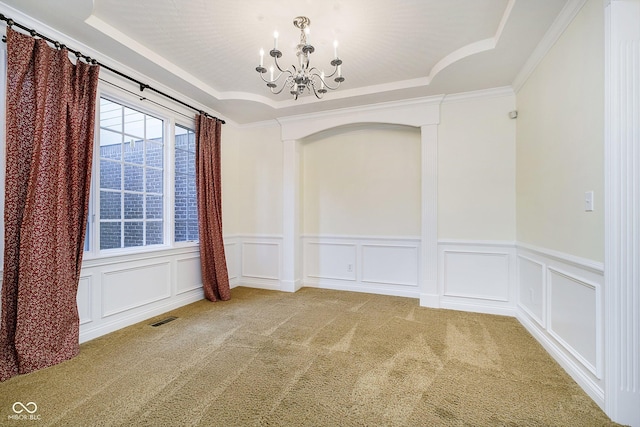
392 50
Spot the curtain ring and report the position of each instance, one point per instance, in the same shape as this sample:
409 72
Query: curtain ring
33 33
57 44
10 23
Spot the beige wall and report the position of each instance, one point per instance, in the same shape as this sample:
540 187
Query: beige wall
259 182
476 169
362 180
230 179
560 147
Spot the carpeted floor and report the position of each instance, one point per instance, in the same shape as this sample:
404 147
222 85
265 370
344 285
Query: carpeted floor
313 358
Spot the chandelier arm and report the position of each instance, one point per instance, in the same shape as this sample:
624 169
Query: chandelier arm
324 81
275 61
315 92
277 78
277 92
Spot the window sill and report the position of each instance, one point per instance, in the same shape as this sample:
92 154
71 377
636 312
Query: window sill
124 255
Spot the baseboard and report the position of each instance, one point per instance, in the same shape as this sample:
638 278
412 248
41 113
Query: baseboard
571 367
430 300
140 315
268 284
477 307
356 287
290 286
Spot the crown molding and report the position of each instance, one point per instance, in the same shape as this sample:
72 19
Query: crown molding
562 21
495 92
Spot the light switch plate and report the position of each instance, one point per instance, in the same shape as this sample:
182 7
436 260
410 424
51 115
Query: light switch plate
588 201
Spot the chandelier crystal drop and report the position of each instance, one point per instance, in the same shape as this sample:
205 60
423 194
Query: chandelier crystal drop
302 77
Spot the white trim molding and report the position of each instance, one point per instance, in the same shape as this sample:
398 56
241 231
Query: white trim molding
372 264
560 302
477 276
622 210
562 21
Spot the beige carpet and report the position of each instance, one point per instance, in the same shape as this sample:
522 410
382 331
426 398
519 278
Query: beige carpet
313 358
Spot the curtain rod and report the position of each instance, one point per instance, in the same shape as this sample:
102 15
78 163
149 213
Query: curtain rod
10 22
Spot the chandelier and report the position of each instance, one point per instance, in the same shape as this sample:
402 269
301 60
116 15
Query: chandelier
303 77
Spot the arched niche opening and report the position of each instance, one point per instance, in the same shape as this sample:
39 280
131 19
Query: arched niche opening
422 114
361 180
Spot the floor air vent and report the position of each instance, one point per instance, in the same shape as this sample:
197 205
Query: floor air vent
163 321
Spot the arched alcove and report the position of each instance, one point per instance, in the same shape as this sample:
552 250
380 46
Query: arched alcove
422 114
362 180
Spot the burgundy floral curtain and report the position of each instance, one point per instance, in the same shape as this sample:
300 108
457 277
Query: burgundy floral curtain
50 125
215 278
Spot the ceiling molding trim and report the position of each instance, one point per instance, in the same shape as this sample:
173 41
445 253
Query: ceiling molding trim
360 91
560 24
258 125
463 52
149 54
414 112
54 34
505 18
473 48
495 92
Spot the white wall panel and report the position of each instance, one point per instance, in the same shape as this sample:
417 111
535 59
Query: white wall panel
573 316
261 260
231 253
481 275
391 264
189 274
531 288
572 323
330 260
374 264
83 299
128 288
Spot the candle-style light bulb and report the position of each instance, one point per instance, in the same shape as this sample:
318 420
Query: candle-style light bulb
275 40
335 49
261 57
322 80
307 32
271 70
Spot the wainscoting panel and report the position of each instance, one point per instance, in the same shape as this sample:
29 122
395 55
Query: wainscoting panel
573 308
382 265
390 264
477 276
121 290
260 260
331 260
531 288
189 274
233 260
83 299
142 285
560 303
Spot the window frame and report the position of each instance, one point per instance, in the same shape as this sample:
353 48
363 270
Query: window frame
191 128
170 119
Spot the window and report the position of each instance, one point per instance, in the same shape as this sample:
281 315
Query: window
186 209
131 177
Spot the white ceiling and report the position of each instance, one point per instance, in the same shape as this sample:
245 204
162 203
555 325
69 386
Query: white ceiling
392 50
